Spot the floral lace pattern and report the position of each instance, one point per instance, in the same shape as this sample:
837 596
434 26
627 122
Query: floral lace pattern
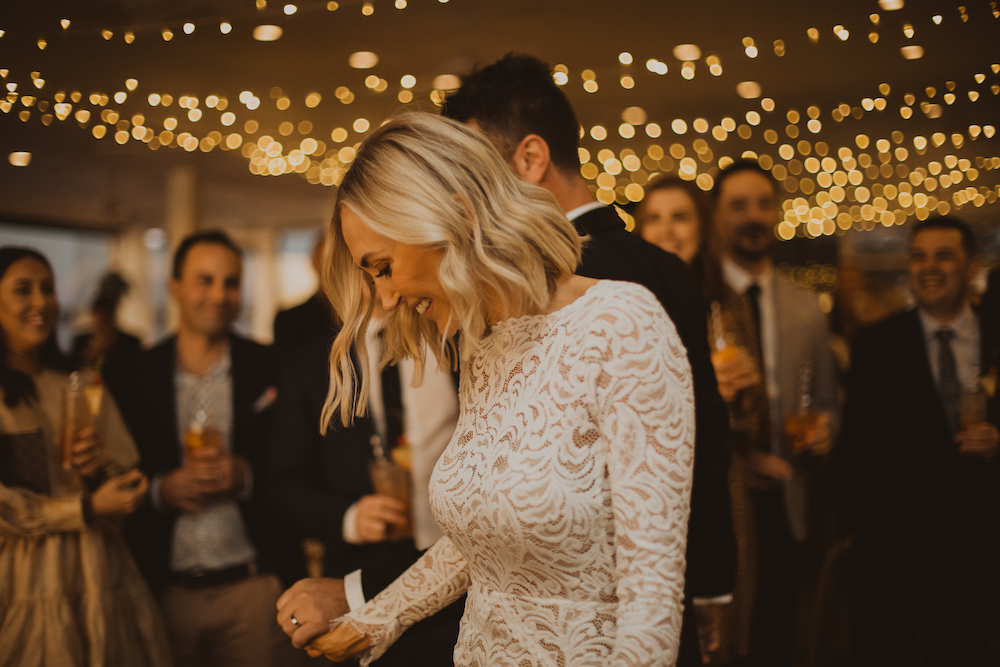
564 492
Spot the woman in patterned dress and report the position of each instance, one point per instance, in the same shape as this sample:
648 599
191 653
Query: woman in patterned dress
70 594
564 494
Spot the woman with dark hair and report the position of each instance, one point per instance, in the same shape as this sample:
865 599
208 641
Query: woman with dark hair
69 591
675 215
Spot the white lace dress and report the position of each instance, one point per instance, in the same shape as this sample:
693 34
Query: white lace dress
564 494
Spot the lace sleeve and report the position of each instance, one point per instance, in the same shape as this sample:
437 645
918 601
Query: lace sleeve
436 580
645 408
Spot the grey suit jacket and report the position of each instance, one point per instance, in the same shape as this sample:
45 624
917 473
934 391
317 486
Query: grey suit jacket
802 338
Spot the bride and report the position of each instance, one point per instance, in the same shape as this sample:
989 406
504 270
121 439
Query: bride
564 494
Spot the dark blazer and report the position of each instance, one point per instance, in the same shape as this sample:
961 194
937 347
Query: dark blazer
616 254
315 478
298 325
144 390
900 477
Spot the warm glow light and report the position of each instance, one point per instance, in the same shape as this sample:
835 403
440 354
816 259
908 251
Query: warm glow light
19 158
267 33
225 27
290 9
188 28
625 58
408 81
362 60
687 52
634 115
890 5
748 90
912 52
446 82
361 125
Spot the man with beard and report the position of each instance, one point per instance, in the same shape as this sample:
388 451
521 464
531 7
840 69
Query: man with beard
801 381
917 466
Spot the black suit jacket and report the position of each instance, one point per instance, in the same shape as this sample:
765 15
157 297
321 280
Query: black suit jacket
616 254
316 477
901 481
299 325
144 389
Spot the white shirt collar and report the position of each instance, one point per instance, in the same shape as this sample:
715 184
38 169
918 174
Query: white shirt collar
964 325
740 279
586 208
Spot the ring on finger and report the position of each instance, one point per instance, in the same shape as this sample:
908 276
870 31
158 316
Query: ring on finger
294 620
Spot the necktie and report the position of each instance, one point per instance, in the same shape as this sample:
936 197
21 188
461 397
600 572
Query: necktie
948 386
753 299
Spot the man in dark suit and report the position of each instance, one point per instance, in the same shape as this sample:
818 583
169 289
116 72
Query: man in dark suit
199 406
531 122
917 468
320 485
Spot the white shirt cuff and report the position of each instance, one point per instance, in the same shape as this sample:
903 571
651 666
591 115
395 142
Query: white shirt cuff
350 527
353 591
718 599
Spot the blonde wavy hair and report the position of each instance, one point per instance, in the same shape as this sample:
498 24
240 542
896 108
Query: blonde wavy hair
424 180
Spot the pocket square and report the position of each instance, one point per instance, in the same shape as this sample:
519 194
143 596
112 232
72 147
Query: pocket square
265 400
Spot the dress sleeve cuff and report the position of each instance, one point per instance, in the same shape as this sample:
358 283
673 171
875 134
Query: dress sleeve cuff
353 590
64 514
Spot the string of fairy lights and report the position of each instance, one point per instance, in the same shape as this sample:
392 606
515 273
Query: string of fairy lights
856 182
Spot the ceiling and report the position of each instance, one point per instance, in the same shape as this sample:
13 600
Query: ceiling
855 83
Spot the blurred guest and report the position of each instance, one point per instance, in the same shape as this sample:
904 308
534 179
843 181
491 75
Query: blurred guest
801 380
105 341
70 594
199 405
917 466
675 215
313 318
528 118
321 485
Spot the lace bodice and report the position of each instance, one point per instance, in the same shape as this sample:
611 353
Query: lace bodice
564 493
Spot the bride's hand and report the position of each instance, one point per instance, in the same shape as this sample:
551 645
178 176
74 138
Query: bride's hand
339 644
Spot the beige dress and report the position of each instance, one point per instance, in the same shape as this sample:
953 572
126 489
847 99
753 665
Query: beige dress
70 593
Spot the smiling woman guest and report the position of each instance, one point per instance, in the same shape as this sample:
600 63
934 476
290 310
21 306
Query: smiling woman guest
564 494
69 591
